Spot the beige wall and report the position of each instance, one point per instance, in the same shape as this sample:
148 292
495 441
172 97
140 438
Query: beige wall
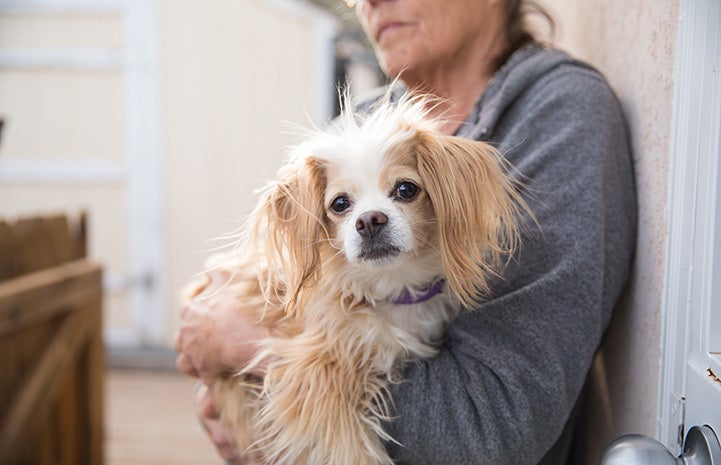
56 116
234 74
632 43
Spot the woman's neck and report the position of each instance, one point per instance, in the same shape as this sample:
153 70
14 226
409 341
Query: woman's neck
457 100
458 81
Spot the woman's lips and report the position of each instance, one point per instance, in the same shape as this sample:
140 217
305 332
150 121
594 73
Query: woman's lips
388 27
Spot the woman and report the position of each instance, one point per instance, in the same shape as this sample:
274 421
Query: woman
504 386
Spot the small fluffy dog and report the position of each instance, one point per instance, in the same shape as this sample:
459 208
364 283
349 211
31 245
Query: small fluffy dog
370 240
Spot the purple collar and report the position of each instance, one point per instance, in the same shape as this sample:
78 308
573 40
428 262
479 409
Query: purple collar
406 298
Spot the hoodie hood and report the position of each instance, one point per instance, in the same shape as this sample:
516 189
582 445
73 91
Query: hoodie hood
521 71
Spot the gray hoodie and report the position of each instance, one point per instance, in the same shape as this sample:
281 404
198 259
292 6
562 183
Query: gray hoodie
506 381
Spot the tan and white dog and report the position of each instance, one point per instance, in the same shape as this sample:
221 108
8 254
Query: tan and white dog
370 240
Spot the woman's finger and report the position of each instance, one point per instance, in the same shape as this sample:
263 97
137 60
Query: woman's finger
184 364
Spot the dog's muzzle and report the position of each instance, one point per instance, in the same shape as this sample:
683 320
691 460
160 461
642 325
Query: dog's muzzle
376 243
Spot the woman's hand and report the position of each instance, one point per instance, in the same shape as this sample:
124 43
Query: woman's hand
214 336
221 436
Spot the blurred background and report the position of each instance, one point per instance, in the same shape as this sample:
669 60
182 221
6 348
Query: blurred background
159 119
155 121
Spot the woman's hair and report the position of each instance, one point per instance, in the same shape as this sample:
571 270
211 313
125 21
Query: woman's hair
518 29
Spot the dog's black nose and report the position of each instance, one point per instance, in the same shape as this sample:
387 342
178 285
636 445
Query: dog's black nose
369 223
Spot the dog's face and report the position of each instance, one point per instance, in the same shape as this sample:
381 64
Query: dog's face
389 194
377 208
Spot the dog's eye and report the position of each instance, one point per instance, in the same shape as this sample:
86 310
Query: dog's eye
406 190
340 204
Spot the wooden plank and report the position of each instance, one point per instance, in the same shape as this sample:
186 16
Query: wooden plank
93 363
67 417
32 244
20 352
38 296
41 243
40 388
167 432
80 237
7 262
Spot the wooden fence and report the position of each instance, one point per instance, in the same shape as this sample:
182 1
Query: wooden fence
51 350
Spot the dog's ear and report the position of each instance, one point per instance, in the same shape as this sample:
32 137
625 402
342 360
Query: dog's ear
291 211
477 208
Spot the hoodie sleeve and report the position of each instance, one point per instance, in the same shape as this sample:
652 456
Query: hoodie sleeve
503 386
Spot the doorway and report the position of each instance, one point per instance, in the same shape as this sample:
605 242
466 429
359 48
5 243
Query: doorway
690 390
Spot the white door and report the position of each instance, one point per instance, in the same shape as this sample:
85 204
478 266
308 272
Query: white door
691 370
77 94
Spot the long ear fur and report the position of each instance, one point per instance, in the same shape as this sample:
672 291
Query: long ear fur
289 226
477 207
